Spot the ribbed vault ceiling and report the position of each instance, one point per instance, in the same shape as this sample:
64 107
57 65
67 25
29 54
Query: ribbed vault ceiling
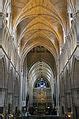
41 54
40 69
40 22
40 63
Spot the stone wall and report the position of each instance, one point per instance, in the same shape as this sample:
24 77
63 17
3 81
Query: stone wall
9 83
69 70
69 85
9 67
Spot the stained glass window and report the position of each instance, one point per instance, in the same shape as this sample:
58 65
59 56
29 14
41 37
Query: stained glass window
41 83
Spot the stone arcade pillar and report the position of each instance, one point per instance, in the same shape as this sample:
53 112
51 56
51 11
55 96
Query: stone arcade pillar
57 86
22 91
23 84
2 91
75 84
53 87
